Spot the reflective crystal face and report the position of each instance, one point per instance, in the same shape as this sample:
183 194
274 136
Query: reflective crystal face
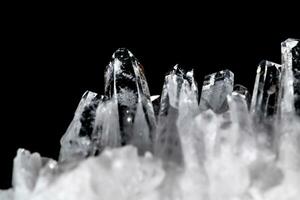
215 89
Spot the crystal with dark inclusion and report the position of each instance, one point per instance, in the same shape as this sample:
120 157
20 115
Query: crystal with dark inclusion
265 95
76 142
167 143
290 50
126 84
215 89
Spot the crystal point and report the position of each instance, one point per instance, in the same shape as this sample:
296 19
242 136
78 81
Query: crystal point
76 142
126 84
290 89
264 101
179 92
215 89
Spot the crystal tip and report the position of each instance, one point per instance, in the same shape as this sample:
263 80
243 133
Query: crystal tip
122 54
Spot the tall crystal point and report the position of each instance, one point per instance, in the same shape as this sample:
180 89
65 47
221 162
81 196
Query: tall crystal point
126 84
290 50
264 101
215 89
76 142
177 90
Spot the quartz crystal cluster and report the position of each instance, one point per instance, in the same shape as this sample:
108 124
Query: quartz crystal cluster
225 144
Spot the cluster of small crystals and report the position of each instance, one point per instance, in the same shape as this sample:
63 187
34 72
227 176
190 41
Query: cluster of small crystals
228 145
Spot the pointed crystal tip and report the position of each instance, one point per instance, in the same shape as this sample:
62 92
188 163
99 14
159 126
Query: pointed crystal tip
122 54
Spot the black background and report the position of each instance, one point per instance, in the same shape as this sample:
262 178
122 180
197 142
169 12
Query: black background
50 58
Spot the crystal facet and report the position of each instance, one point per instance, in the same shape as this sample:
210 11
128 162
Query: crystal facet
215 89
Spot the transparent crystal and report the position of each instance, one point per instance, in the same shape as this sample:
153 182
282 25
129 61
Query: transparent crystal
215 89
76 142
290 90
126 84
265 95
167 142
